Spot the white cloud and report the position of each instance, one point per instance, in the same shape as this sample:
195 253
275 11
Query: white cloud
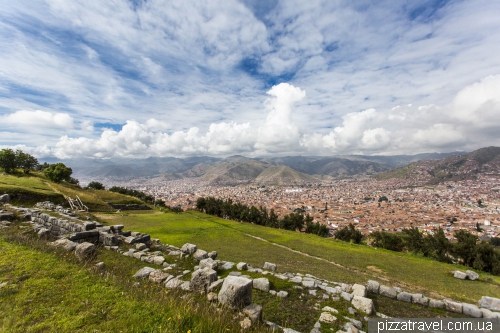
39 118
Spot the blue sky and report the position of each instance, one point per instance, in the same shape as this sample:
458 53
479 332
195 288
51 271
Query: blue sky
180 78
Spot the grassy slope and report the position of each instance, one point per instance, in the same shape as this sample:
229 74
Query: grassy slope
35 187
48 291
363 263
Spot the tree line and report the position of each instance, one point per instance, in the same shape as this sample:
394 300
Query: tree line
138 194
226 208
468 250
11 161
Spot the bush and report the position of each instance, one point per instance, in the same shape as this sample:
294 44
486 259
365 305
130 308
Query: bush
348 234
96 186
58 172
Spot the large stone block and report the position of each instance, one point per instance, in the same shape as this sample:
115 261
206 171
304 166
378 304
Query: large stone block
453 306
254 312
158 276
236 291
189 248
201 279
420 299
373 286
362 303
404 297
261 284
434 303
471 310
471 275
270 266
85 251
200 255
490 303
144 272
460 275
358 290
208 263
387 291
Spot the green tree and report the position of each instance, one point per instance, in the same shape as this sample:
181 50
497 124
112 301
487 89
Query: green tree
96 186
8 160
25 161
464 248
58 172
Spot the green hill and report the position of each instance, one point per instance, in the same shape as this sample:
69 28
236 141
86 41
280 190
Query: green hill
283 175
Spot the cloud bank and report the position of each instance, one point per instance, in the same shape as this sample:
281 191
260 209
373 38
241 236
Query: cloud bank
460 125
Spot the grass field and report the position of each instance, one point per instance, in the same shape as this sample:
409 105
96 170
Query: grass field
358 263
44 290
29 189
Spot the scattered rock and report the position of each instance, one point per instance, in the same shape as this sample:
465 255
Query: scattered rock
282 294
158 276
346 296
158 260
471 310
362 303
359 290
490 303
202 279
270 266
471 275
100 267
387 291
245 323
85 251
173 283
460 275
44 233
261 284
236 291
208 263
144 272
404 297
327 317
227 265
453 306
189 248
200 255
5 198
140 246
254 312
212 297
242 266
212 255
329 309
215 285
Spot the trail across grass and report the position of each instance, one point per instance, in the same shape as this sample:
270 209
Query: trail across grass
230 240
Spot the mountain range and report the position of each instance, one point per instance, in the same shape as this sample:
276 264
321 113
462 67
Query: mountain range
240 169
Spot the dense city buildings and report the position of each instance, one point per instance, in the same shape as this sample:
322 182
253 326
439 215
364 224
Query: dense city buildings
370 204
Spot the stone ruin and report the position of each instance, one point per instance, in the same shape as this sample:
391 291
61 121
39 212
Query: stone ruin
234 291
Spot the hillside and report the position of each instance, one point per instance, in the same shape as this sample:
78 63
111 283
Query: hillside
484 161
234 170
33 188
283 175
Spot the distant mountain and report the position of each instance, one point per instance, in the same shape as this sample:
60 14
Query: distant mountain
484 161
238 169
283 175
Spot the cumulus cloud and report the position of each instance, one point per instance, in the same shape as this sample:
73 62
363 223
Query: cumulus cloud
40 119
401 129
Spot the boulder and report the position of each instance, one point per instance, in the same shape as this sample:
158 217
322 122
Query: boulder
296 279
471 275
269 266
282 294
144 272
100 267
358 290
261 284
387 291
236 291
420 299
460 275
200 255
44 233
373 286
158 260
242 266
471 310
346 296
327 317
434 303
189 248
208 263
6 216
215 285
202 279
140 246
85 251
5 198
453 306
173 283
158 276
488 314
404 297
212 254
329 309
362 303
227 265
254 312
490 303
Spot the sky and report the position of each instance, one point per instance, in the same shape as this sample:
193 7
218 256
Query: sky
139 78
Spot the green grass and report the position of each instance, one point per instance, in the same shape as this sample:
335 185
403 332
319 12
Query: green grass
33 188
360 262
48 291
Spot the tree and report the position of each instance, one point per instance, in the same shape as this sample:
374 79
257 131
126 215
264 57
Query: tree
58 172
8 160
348 234
465 246
25 161
95 186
